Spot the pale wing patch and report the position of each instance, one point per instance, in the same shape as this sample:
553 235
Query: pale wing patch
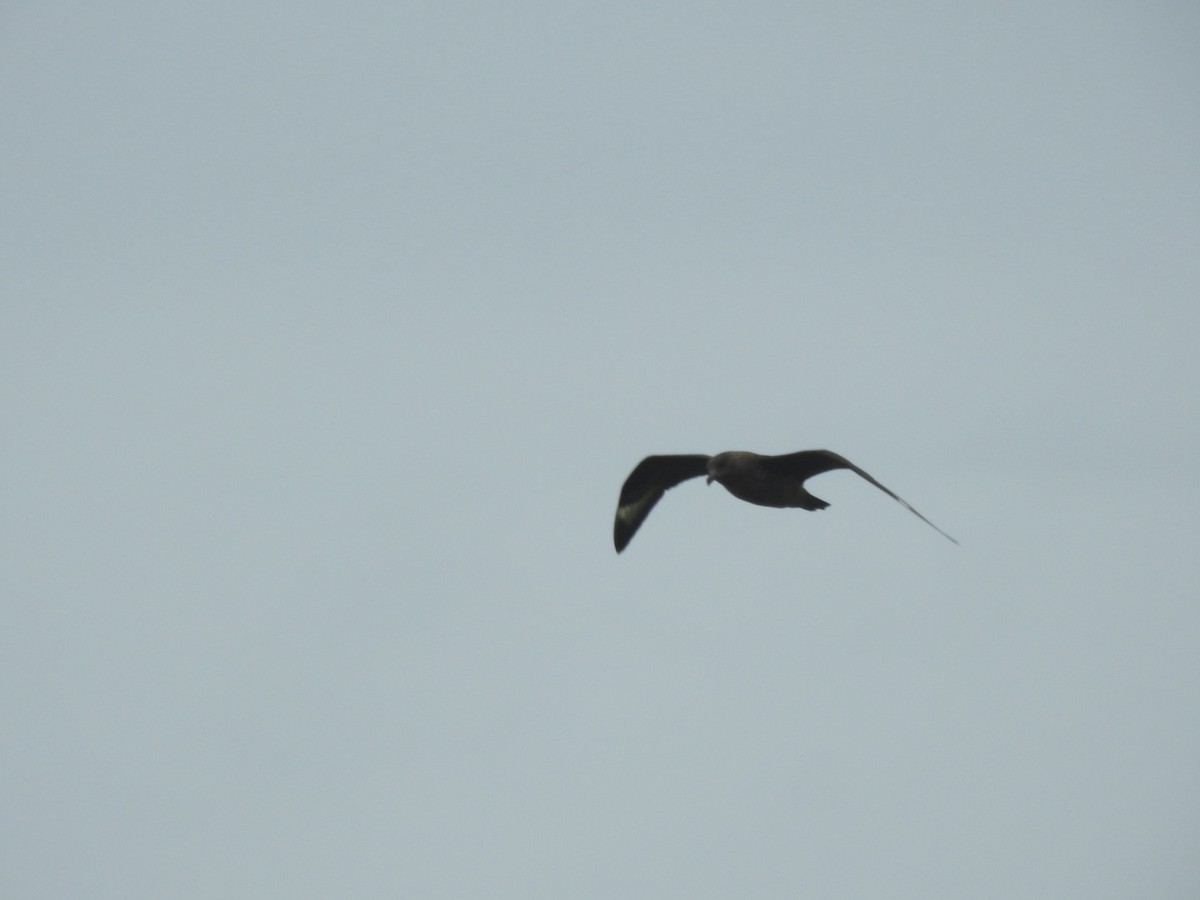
632 512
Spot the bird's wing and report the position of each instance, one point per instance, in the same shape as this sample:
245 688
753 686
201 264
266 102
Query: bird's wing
645 486
808 463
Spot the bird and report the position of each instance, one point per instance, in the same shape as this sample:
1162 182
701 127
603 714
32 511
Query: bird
776 481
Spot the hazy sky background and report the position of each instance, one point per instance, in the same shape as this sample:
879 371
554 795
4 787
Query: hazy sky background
328 333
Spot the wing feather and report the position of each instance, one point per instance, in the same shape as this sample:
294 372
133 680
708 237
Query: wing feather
808 463
645 486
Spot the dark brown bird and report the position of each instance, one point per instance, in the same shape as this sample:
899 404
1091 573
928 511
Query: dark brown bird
765 480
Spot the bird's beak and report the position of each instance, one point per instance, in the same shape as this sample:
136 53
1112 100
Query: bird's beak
709 480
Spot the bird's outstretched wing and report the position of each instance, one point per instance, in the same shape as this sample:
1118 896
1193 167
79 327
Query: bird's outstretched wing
808 463
645 486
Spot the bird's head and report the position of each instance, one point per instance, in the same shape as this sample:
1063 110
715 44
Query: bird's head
717 467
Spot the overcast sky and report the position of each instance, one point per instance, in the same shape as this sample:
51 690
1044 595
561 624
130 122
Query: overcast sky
328 333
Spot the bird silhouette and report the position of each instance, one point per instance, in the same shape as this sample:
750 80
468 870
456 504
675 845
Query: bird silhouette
763 480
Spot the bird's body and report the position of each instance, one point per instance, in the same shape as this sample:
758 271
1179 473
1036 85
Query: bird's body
759 480
776 481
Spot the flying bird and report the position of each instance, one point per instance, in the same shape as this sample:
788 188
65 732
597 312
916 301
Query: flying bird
764 480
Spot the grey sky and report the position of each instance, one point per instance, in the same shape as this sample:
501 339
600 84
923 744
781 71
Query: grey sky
328 334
